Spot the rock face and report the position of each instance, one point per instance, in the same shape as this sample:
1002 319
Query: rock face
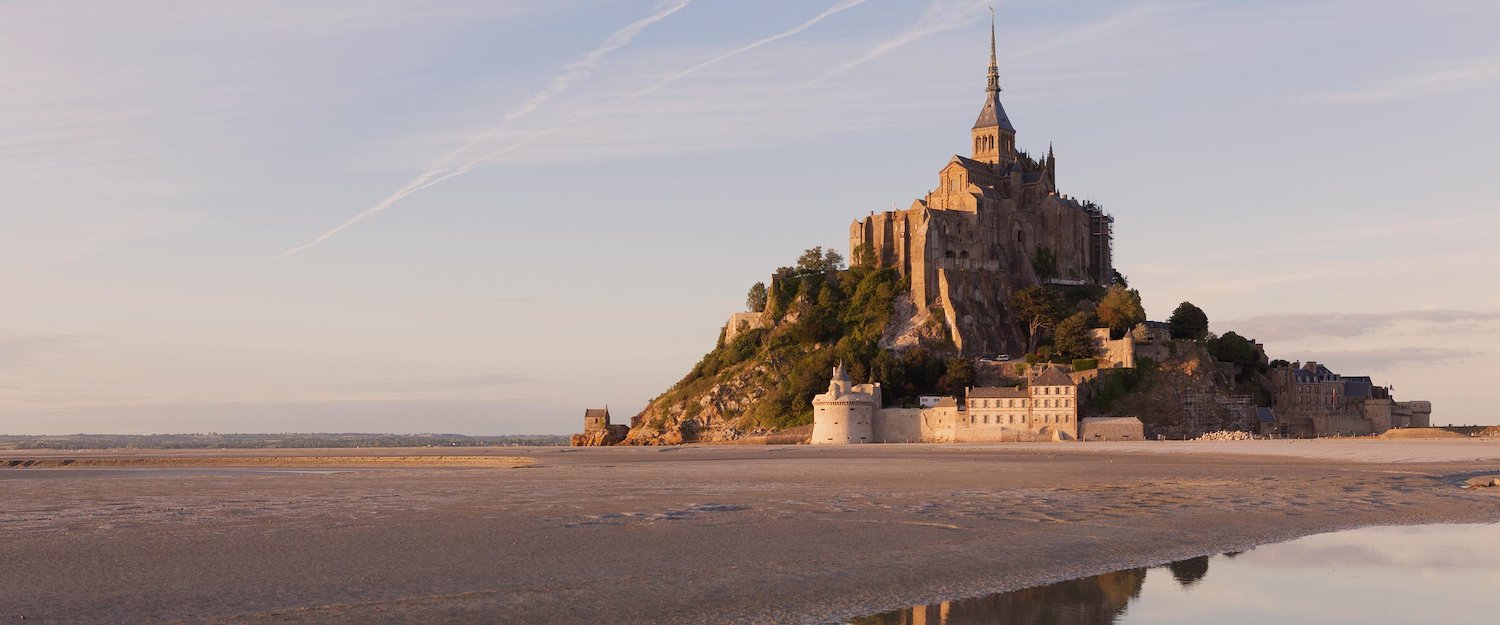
709 416
609 435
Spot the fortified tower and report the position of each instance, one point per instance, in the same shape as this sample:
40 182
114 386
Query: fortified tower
844 414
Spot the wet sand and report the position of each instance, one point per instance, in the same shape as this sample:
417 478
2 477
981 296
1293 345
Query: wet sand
677 535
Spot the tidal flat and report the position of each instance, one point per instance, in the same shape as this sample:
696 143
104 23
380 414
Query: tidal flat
696 534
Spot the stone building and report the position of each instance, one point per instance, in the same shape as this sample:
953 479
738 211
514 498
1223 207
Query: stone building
845 414
1310 400
1113 429
742 322
1047 410
597 430
993 220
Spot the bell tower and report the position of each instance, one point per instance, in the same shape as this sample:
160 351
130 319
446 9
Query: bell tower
994 137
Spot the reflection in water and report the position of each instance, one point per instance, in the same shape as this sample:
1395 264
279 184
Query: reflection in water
1438 573
1189 571
1088 601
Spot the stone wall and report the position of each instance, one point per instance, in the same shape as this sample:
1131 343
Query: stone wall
1115 353
1113 429
898 425
741 322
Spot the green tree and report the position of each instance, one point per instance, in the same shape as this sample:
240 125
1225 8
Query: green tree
1121 310
1232 348
1188 322
811 260
863 256
833 261
1074 337
1038 307
1119 278
957 376
755 300
1045 264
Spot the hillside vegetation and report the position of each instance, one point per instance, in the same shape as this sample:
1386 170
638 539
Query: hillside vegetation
819 314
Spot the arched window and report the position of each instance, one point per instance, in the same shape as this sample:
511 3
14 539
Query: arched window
1020 236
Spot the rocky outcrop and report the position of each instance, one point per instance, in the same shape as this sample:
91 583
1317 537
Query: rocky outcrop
610 435
710 416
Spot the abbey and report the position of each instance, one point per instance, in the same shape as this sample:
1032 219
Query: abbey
995 223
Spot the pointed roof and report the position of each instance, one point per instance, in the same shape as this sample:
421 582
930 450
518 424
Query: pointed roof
1051 376
993 114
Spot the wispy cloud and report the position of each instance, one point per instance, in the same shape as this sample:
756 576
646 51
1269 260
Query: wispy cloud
492 380
17 349
1353 361
1293 326
1462 76
1100 29
941 16
836 9
441 169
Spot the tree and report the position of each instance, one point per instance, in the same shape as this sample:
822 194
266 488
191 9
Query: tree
1074 337
957 376
1044 262
1121 310
1233 348
833 261
1038 307
811 260
864 256
1188 322
1119 278
815 260
755 300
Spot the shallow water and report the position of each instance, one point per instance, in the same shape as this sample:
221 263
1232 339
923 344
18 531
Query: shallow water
1446 574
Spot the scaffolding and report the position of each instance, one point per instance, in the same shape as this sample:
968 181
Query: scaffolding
1204 412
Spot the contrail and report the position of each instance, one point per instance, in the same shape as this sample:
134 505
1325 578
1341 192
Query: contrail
573 71
428 181
581 67
440 171
838 8
938 18
469 166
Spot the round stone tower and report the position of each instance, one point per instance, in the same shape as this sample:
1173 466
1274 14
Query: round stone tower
844 414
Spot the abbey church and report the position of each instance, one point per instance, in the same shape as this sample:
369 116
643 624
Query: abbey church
995 223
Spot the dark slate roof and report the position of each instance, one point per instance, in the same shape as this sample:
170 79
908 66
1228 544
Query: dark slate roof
596 412
1358 387
993 114
1265 414
1052 376
973 165
991 392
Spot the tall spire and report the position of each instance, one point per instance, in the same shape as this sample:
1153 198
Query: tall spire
994 84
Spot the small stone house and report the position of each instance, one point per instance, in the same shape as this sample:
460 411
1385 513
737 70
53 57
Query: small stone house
1112 429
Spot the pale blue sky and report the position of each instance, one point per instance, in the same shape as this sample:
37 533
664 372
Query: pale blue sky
623 170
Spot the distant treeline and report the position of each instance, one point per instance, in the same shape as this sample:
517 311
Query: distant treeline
264 441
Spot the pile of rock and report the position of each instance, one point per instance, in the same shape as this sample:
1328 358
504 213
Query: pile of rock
1484 481
1226 436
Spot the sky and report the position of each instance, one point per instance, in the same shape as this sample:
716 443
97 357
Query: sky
482 217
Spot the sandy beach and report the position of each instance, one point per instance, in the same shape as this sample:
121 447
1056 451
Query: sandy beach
793 534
